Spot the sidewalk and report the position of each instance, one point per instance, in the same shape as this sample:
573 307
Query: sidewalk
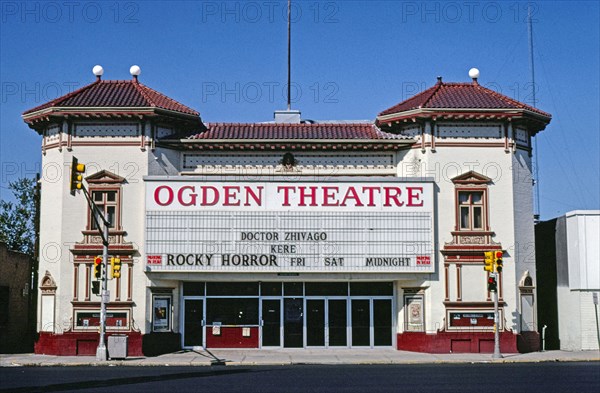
252 357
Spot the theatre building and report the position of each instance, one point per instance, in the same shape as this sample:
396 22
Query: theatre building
288 233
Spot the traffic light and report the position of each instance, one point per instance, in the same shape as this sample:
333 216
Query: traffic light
115 265
98 267
77 171
96 287
489 261
492 284
498 260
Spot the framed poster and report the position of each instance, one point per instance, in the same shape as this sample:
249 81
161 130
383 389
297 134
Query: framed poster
414 313
161 315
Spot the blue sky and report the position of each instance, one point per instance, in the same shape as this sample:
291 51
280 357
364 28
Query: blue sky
351 60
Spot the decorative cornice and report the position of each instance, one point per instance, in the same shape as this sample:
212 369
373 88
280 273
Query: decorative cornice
48 285
288 145
299 170
105 177
471 177
452 304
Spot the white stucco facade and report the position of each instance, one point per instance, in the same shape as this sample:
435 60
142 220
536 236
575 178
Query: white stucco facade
482 164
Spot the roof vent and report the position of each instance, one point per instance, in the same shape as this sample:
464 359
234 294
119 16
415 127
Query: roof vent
135 70
98 71
291 116
474 74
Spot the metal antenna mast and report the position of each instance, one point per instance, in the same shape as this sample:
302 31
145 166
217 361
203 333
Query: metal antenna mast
289 59
536 211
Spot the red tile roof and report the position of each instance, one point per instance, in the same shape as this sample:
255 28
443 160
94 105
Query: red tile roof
460 96
111 94
302 131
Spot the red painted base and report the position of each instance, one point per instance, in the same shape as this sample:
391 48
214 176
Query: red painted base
85 344
82 344
456 342
232 337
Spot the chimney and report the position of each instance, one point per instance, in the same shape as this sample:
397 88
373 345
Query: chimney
290 116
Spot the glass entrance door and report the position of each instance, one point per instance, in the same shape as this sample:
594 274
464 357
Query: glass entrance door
337 323
193 334
371 322
382 322
361 323
315 322
293 319
326 323
271 318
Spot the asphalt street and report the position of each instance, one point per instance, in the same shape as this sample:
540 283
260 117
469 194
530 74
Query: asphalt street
506 377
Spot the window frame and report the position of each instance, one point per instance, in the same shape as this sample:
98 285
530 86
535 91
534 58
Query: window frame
471 206
243 306
93 190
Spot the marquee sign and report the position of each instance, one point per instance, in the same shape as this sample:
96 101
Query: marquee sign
302 226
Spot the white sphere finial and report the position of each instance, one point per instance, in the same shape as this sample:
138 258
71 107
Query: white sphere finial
98 70
135 70
474 73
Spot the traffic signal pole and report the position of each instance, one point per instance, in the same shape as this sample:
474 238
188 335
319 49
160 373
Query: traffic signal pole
104 294
492 263
496 354
75 184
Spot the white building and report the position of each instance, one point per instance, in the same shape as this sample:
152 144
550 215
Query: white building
289 233
571 268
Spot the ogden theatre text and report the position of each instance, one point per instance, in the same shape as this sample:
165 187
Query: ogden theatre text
288 196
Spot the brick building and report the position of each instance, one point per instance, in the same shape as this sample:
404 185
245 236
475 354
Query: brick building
16 330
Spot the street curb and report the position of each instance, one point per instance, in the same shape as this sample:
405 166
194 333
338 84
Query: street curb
290 363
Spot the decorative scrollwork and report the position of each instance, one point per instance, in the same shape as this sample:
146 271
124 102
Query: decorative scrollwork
472 240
